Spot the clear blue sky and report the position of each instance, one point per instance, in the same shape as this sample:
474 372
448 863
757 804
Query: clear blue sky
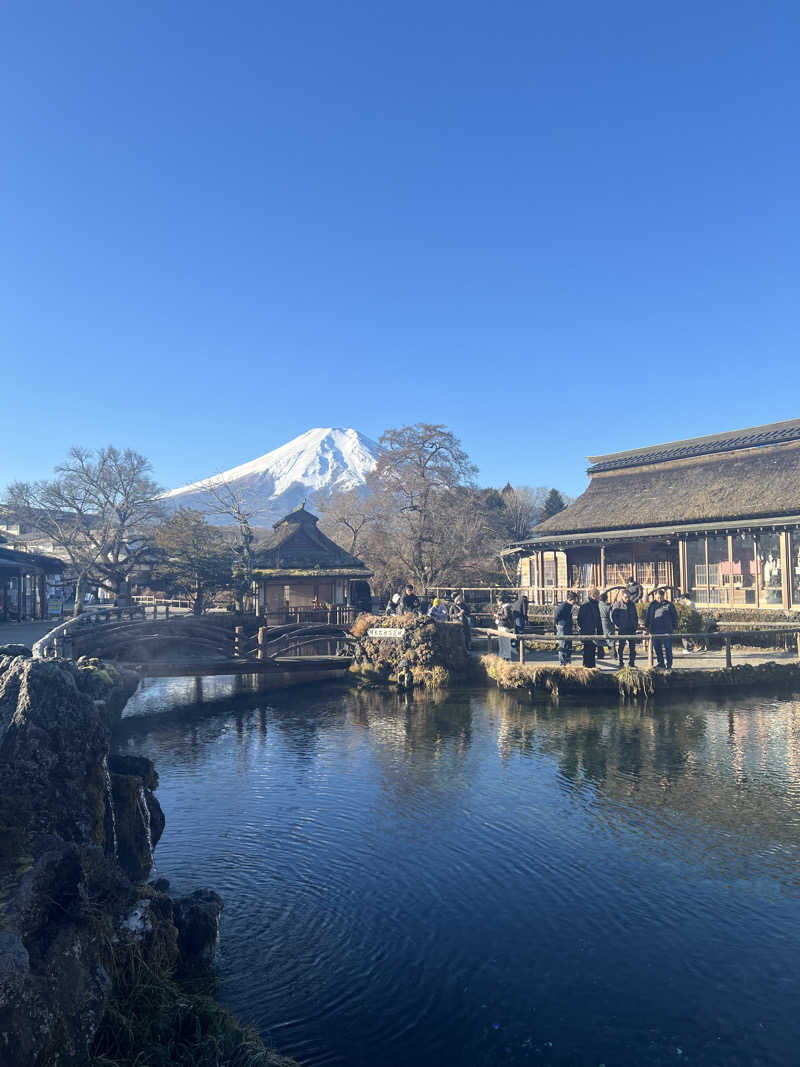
559 228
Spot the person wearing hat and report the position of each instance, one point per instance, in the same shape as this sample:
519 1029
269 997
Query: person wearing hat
393 607
438 611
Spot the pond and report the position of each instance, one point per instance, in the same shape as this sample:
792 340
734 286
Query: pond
464 879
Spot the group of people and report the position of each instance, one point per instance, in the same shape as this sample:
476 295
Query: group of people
439 610
616 624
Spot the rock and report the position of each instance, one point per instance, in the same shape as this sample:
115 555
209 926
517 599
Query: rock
197 918
139 821
15 650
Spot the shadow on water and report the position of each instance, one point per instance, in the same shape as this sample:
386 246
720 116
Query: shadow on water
466 879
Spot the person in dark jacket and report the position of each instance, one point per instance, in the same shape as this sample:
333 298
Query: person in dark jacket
410 600
520 610
459 612
624 617
563 621
662 618
589 623
635 591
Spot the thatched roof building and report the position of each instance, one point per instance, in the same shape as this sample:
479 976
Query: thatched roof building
718 516
298 570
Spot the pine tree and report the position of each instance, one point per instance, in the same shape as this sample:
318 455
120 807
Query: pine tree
553 504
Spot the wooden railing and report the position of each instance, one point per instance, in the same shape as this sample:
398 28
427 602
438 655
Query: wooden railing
724 638
58 641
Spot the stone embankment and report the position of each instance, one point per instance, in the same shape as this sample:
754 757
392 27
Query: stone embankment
543 682
96 966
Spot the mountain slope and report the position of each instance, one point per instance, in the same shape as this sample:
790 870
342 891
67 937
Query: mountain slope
309 467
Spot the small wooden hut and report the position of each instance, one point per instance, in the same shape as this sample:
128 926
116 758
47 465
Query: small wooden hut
716 516
300 573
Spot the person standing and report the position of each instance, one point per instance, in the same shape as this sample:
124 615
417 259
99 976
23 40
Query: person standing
410 600
563 622
625 619
604 608
589 622
662 619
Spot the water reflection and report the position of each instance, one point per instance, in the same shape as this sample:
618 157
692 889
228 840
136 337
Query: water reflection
466 879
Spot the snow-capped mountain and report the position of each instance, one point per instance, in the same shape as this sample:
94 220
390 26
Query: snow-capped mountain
309 467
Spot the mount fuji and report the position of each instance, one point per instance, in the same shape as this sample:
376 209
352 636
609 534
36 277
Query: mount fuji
310 467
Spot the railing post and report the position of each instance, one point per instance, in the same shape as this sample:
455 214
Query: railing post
797 639
262 640
728 661
166 611
521 649
649 650
238 638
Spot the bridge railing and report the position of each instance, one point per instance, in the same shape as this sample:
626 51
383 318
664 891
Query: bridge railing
58 641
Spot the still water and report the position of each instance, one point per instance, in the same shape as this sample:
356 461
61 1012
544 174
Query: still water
468 880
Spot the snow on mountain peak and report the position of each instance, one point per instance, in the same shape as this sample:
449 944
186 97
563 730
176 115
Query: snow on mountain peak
318 462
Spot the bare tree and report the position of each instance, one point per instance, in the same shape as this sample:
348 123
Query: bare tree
99 509
226 499
347 516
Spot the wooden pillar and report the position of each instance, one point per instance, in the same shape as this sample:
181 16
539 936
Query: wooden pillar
602 566
728 660
683 572
238 642
786 570
262 640
521 649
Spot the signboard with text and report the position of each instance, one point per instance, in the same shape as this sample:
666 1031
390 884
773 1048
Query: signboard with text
386 633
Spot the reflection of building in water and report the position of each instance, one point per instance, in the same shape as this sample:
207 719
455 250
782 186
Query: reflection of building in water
728 765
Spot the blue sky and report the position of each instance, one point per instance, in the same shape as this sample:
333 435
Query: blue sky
558 228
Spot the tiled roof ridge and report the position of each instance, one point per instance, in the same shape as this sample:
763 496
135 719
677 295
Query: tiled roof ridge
769 434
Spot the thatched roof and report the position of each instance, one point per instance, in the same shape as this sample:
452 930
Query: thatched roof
295 547
773 433
723 484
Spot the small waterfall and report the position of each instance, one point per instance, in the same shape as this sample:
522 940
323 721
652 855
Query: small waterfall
144 811
110 806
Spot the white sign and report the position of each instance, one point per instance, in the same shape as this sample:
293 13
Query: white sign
386 633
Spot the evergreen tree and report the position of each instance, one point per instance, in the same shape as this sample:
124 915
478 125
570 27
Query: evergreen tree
553 504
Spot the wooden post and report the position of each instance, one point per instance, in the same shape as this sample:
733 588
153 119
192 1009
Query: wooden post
166 611
521 649
649 650
262 640
728 661
238 638
797 637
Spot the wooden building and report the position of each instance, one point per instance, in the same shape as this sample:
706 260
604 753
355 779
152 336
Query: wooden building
23 583
716 516
299 572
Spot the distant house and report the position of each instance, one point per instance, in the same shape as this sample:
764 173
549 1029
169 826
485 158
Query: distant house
299 572
716 516
24 580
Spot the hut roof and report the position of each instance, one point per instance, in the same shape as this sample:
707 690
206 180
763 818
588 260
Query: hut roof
296 546
708 480
30 562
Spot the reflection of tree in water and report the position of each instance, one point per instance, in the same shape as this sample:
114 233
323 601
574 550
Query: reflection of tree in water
422 740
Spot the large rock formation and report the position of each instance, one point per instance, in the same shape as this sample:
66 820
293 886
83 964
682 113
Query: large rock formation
79 931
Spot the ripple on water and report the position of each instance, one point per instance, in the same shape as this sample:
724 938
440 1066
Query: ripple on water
472 881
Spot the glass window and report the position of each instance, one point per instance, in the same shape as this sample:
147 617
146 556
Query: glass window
696 569
719 577
768 569
743 571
